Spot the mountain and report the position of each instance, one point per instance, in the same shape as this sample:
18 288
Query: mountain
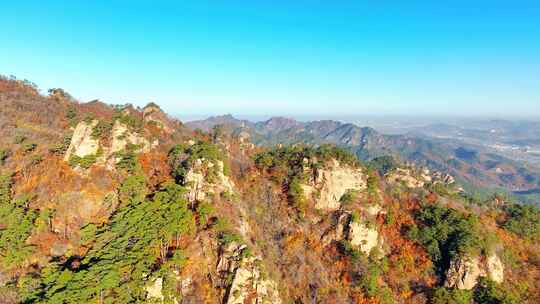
108 203
470 163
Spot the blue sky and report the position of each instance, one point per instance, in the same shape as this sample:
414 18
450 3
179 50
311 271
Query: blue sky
322 58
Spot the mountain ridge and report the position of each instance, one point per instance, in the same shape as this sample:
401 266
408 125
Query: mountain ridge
367 143
116 204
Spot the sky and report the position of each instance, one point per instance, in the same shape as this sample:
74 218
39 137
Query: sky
293 58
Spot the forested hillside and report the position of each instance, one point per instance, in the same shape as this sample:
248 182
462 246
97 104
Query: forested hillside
117 204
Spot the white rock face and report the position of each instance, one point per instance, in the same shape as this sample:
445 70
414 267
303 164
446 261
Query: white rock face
333 183
364 237
465 271
82 143
154 290
199 187
121 137
374 210
248 283
195 184
495 268
248 280
360 234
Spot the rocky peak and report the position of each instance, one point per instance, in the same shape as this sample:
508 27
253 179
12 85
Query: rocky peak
152 113
151 108
330 184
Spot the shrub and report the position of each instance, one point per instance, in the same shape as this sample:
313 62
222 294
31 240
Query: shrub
62 147
84 162
229 237
128 159
446 233
205 211
141 238
71 115
523 220
29 147
295 194
19 139
383 164
5 188
135 123
489 292
372 183
287 165
451 296
35 160
4 154
181 158
18 222
101 130
292 157
347 249
349 197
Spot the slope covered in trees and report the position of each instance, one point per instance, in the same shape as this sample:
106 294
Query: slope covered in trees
114 204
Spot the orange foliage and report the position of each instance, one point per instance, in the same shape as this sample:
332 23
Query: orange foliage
155 167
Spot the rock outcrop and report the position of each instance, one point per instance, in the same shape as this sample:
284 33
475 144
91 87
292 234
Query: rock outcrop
364 237
360 234
339 229
412 177
200 186
406 177
82 143
152 113
248 283
464 272
330 184
495 268
155 290
122 136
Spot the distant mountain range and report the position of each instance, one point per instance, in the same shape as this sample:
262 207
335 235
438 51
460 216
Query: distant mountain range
470 163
